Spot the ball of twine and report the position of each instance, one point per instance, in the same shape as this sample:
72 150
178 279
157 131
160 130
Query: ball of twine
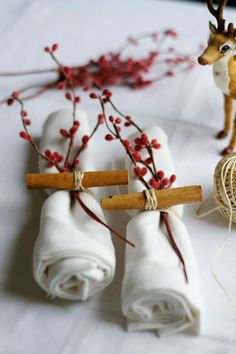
225 187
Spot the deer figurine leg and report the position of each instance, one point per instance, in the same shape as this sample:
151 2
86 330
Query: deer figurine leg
228 108
232 143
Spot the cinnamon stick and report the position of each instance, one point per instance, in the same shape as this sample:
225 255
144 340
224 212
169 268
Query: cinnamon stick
66 180
165 198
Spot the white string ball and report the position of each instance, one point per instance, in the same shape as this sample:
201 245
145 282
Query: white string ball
225 187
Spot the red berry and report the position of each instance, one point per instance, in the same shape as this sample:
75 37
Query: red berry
27 121
47 49
85 139
144 139
10 101
86 88
126 143
155 184
148 160
172 178
109 137
118 120
25 136
73 130
64 133
47 153
93 95
104 100
160 174
77 99
61 85
76 123
54 47
137 156
101 118
24 113
138 141
143 171
164 183
15 94
68 95
155 144
55 155
111 119
137 171
127 124
171 33
170 73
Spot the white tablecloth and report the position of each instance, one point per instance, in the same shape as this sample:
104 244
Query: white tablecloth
188 107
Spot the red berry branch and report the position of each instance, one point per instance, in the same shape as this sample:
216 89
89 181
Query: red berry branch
136 150
54 158
117 68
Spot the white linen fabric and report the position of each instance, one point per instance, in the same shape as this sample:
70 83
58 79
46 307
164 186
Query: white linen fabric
155 294
74 255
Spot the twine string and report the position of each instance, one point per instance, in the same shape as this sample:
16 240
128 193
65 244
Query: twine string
78 181
151 200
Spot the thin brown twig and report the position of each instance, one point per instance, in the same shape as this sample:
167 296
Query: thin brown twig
32 141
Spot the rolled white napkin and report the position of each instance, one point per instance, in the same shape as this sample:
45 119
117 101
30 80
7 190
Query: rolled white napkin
73 255
155 294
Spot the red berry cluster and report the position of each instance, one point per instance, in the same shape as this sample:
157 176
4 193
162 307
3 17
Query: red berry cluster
141 144
14 96
71 132
162 182
140 171
55 157
51 49
113 69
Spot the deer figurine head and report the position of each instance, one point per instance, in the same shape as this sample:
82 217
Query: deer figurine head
221 53
221 42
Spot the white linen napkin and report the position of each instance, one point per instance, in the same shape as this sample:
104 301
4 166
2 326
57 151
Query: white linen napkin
155 294
73 255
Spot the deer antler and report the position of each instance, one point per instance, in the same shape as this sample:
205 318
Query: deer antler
218 13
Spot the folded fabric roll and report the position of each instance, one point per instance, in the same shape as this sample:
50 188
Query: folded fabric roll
73 255
155 294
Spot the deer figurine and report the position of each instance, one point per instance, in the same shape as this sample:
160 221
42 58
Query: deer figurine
221 53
